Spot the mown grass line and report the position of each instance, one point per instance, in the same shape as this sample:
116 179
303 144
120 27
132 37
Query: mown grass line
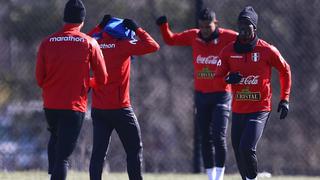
73 175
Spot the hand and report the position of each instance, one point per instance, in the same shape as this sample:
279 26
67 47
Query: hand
161 20
284 108
130 24
233 78
105 20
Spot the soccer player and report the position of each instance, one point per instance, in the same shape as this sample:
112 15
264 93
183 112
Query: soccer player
62 72
247 65
111 107
212 95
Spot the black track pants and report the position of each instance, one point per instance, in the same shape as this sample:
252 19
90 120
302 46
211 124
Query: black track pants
126 125
212 115
64 127
246 132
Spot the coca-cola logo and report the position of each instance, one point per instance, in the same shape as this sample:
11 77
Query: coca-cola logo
250 80
208 60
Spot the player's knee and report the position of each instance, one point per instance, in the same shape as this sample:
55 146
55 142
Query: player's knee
246 151
220 143
135 151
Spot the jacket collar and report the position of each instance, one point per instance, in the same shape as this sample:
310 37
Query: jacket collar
245 48
214 35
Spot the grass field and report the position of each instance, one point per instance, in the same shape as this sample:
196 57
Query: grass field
72 175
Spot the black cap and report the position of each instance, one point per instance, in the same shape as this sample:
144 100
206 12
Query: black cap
74 12
207 14
249 14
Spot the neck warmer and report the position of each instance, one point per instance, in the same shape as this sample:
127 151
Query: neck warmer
244 48
214 35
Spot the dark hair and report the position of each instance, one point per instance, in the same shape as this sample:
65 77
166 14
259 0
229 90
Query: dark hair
207 14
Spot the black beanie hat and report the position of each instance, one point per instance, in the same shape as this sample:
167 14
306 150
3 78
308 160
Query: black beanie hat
207 14
74 12
249 13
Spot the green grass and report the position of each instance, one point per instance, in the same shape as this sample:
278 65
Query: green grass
72 175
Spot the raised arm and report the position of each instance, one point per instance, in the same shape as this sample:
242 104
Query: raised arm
173 39
146 44
101 25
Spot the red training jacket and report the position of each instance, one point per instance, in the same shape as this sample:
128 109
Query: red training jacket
253 93
115 94
205 55
63 66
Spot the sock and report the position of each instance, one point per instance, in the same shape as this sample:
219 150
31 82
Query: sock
210 173
252 179
218 173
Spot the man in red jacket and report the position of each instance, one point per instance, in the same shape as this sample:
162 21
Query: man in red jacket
111 107
212 95
62 72
247 65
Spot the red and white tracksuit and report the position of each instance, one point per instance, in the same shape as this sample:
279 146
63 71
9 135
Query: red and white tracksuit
253 93
63 66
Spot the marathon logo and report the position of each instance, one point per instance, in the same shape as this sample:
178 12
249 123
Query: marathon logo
208 60
66 39
247 95
107 46
205 73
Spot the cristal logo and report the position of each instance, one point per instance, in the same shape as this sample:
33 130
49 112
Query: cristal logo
208 60
247 95
205 73
250 80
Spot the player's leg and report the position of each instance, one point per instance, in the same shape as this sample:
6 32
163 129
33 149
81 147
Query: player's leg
102 129
52 123
220 117
255 125
204 120
129 133
69 127
237 128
